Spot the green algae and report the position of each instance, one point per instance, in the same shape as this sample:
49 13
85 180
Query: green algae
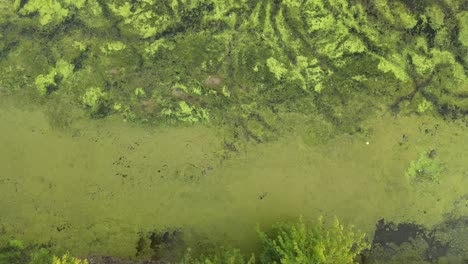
273 99
125 180
345 58
425 169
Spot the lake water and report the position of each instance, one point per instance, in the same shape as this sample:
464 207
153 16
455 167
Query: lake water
92 188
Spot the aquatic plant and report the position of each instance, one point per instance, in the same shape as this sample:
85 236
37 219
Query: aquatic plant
67 259
113 46
286 242
53 13
48 11
94 98
425 169
187 113
335 59
424 106
47 83
12 253
317 243
297 243
15 252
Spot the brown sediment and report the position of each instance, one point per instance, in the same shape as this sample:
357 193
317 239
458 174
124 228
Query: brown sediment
149 106
213 81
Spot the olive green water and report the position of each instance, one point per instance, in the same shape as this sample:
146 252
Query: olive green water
90 189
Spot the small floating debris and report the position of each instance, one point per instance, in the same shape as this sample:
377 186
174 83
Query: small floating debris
432 154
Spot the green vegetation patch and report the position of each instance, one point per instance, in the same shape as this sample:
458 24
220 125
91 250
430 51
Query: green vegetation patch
298 242
15 252
283 243
425 169
318 243
246 64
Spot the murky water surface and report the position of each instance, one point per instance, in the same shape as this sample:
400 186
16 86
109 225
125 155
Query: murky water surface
91 188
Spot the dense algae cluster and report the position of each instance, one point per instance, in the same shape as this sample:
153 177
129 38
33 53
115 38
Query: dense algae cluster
250 64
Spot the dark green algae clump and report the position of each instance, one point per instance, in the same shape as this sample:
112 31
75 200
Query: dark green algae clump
255 66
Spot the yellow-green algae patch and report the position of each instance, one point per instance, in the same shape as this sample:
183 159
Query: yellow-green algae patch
92 190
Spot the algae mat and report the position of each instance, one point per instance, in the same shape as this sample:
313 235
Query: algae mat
93 188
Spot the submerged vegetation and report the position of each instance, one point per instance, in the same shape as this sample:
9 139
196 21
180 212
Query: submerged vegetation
15 252
285 243
426 168
247 64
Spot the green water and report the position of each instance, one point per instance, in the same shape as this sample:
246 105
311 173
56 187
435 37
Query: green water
91 188
195 120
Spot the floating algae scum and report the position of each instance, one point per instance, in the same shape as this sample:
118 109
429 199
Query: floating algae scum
139 128
93 190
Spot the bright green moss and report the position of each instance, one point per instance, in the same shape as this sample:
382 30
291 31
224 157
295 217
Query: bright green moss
45 83
93 98
395 13
139 92
407 20
187 113
463 34
150 18
423 64
113 46
436 16
140 19
67 259
425 106
395 67
49 11
353 45
64 68
158 45
317 17
277 68
384 10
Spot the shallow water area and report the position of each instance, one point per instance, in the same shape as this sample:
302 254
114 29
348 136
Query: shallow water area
92 189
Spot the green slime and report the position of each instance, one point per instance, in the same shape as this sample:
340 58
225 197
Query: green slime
92 188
